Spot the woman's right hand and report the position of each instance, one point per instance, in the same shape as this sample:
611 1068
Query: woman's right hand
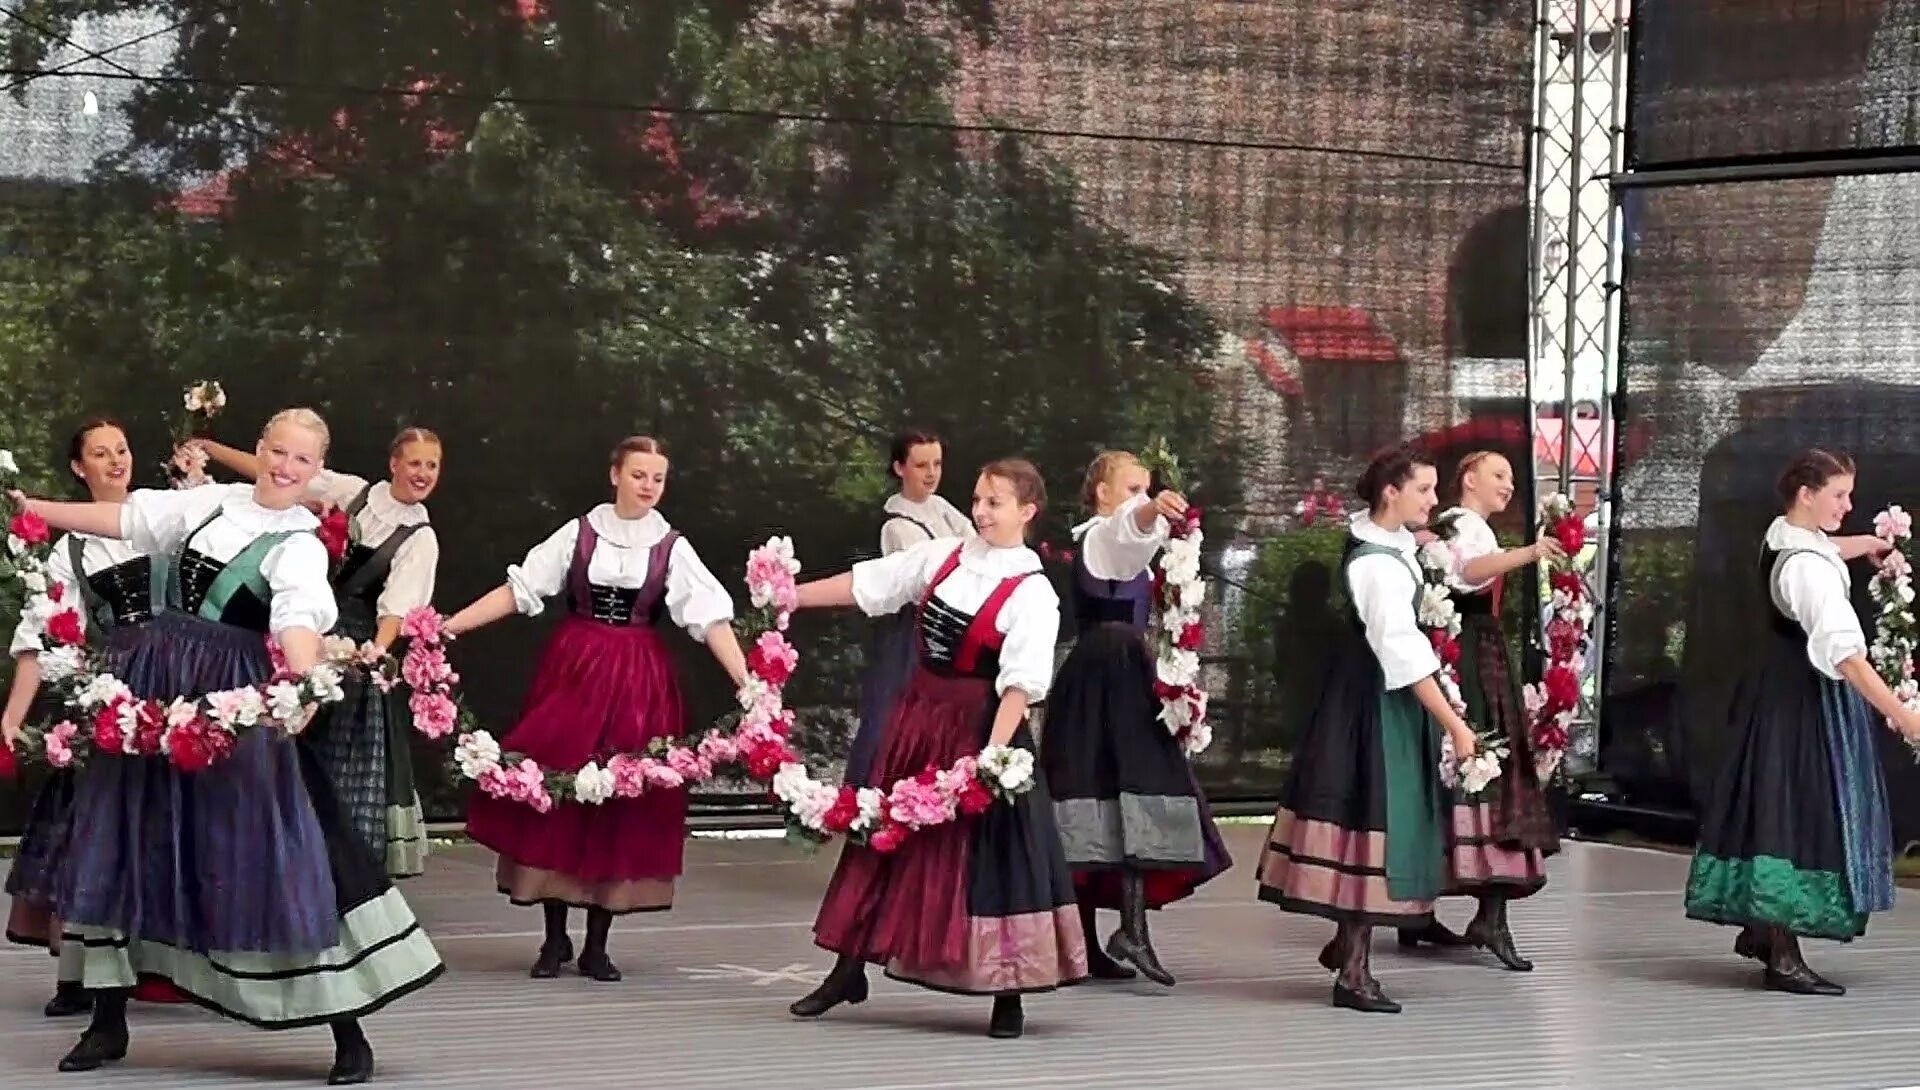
1465 742
1548 548
12 730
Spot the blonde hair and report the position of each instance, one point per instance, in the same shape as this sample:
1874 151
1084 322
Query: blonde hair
1470 463
1101 470
411 435
303 417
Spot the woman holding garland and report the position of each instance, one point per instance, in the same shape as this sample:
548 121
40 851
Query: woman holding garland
235 883
983 905
605 685
1134 823
916 513
1499 848
1795 840
1359 837
388 571
113 583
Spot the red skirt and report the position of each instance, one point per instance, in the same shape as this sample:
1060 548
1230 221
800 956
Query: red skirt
980 906
598 690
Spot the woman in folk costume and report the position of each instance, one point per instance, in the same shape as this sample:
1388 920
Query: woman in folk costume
1795 840
605 684
982 905
1134 822
916 513
236 883
113 581
1360 834
1500 839
388 570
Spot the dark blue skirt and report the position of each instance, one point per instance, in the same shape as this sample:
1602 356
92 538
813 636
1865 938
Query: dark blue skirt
892 655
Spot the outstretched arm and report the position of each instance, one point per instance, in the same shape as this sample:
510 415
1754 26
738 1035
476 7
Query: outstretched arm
98 519
234 459
492 606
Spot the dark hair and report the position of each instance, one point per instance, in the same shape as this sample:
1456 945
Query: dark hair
1811 469
1028 487
411 435
77 446
634 444
1389 469
904 441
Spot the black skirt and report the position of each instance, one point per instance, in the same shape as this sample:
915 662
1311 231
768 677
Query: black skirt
892 654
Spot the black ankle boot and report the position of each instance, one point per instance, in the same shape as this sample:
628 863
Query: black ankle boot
594 962
1099 965
1434 933
352 1055
1355 988
106 1037
1131 942
557 950
1489 932
69 999
1788 972
1009 1018
846 982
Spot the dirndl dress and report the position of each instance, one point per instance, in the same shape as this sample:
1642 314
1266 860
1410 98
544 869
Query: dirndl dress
241 885
1497 840
1796 832
1124 794
1359 835
605 685
114 599
978 906
364 741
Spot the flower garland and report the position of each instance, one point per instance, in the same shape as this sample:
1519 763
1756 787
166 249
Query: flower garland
187 468
1552 702
1438 616
1178 635
1895 634
192 734
757 744
882 820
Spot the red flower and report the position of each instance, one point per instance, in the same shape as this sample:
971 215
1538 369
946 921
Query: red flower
190 748
1564 637
766 760
771 668
844 811
1571 532
1191 637
975 798
1445 646
106 727
887 837
56 593
30 528
1562 688
149 726
1548 734
1570 582
333 533
66 627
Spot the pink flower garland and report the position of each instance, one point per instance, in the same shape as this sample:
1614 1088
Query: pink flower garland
1552 703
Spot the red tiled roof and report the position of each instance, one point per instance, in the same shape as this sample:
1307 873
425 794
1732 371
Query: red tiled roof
1331 335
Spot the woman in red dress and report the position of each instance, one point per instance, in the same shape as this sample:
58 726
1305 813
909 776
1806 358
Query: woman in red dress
605 685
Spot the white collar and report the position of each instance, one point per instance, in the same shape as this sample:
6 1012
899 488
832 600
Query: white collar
995 563
1362 526
1783 535
381 502
640 533
934 508
239 506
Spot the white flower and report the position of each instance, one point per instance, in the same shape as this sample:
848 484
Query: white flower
182 712
338 649
323 684
236 708
1181 561
1008 767
1199 737
476 753
7 464
1179 667
593 785
1436 556
35 582
60 664
1478 771
284 703
101 689
1436 607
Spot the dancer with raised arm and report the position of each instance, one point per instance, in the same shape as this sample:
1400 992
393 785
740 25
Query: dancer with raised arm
605 684
240 883
1795 840
981 905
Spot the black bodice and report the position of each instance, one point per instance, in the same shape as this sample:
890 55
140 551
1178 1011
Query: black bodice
614 605
123 593
943 630
197 574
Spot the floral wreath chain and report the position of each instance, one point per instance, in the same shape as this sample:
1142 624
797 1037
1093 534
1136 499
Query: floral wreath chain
1441 620
1178 635
1896 636
1552 702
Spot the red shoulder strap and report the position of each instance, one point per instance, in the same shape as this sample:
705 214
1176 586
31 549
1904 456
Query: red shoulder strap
940 574
984 633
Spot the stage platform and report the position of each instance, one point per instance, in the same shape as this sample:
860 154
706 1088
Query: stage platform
1627 993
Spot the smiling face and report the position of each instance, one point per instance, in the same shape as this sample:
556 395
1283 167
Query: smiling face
1127 480
639 483
1491 481
290 453
1829 505
105 464
415 470
1410 503
998 514
920 473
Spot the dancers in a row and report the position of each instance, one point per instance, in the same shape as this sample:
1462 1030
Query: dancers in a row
243 884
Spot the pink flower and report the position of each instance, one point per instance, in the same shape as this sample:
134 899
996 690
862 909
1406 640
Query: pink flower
915 803
434 714
629 776
688 764
718 749
276 656
493 780
425 667
423 625
770 578
772 659
887 837
661 775
59 744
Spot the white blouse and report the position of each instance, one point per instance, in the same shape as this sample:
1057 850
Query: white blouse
1472 539
1384 588
410 581
1113 546
1812 589
934 512
97 554
1030 619
695 599
157 522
